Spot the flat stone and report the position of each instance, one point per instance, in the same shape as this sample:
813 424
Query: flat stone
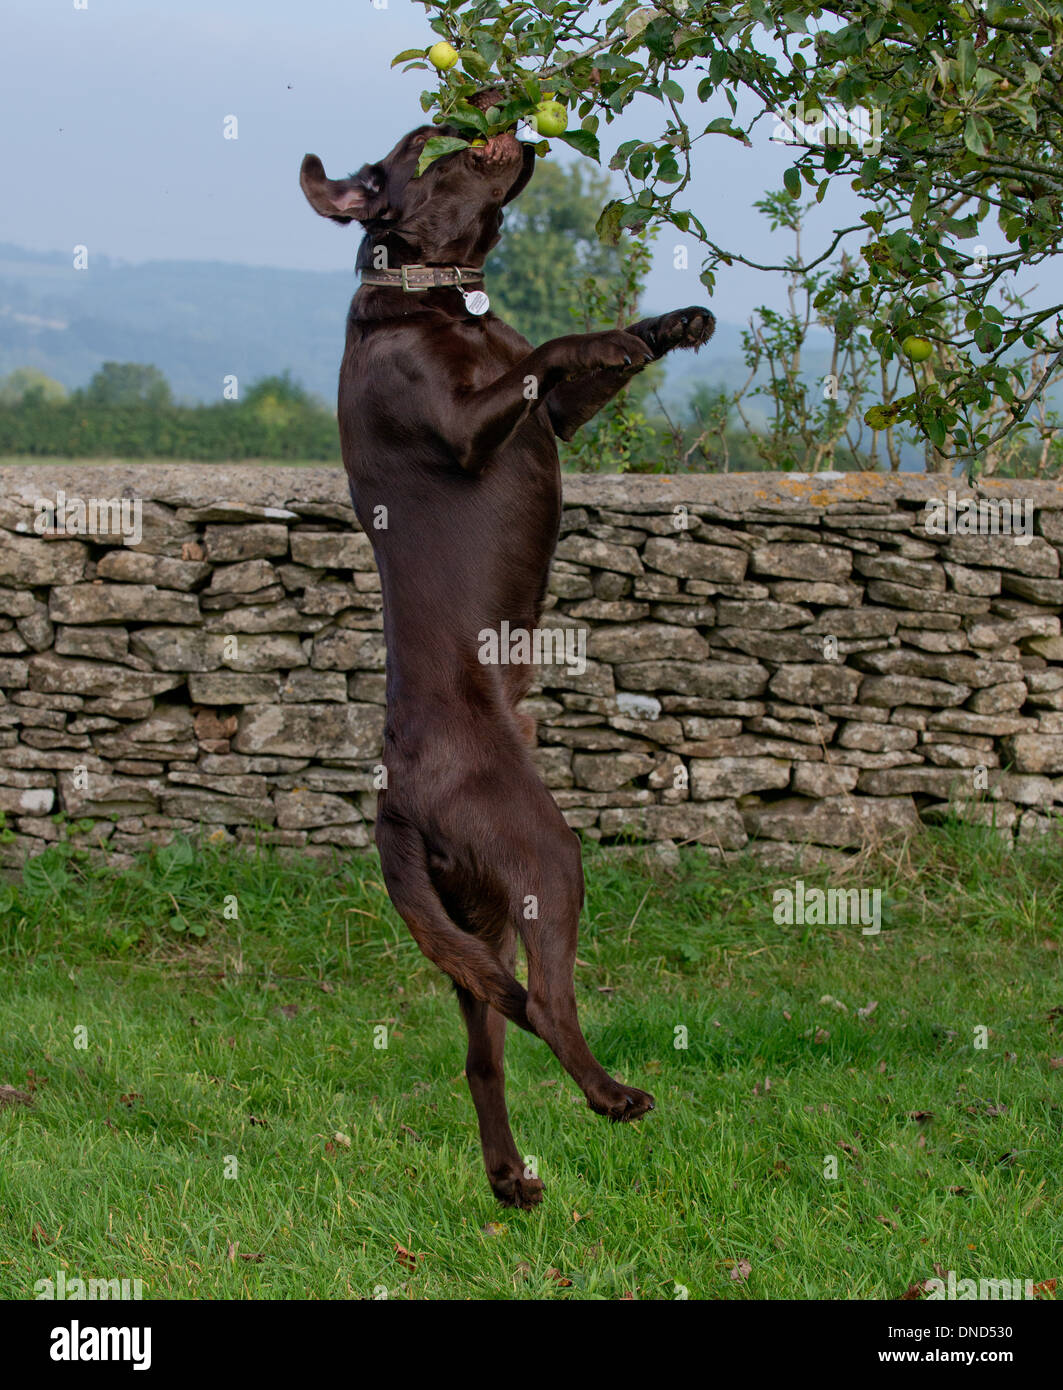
1035 752
816 591
943 782
340 550
961 670
136 567
1023 554
971 581
999 699
825 779
245 577
248 542
30 562
690 559
770 646
101 643
826 683
68 675
714 823
120 603
876 738
213 808
766 615
714 779
307 810
311 731
233 688
856 622
714 679
646 641
347 650
821 563
608 772
887 691
842 822
916 600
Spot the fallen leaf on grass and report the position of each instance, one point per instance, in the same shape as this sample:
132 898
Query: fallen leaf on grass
558 1278
342 1139
405 1257
9 1096
1047 1286
822 1034
494 1228
741 1270
289 1010
886 1221
921 1115
129 1098
868 1009
40 1236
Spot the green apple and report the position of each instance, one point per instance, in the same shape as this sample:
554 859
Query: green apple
549 118
916 349
443 56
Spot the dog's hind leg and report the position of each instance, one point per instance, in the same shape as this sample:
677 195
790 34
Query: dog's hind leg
487 1083
550 936
471 963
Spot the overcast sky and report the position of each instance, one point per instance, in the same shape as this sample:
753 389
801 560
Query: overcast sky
113 117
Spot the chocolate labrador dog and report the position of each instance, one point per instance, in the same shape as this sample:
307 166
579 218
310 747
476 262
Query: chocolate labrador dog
447 420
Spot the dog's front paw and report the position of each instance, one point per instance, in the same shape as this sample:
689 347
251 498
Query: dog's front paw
683 328
614 350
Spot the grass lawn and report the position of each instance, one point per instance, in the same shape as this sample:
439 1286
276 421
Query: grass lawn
210 1114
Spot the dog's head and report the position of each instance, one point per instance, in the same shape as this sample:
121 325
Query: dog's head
449 215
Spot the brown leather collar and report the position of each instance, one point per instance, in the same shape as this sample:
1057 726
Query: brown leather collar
415 278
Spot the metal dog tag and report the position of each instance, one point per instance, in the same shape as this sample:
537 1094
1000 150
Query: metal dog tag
476 302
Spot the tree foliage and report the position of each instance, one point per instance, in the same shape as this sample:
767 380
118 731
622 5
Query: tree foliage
967 100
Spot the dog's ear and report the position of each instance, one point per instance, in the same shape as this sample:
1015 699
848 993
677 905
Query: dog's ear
355 199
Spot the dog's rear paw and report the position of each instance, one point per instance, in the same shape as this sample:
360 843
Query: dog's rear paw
622 1103
513 1189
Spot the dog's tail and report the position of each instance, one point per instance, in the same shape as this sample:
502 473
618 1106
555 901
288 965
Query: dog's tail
468 961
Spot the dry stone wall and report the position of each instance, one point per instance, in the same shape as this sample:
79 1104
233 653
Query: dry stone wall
797 665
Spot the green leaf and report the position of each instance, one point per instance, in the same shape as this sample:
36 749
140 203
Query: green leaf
583 140
407 55
473 63
792 179
977 135
435 148
609 223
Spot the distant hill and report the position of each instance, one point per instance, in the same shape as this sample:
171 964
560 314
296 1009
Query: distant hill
198 321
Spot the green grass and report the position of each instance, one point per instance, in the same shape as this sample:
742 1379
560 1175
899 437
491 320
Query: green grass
209 1037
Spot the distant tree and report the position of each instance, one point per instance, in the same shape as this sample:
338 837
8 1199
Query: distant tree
128 383
550 249
281 389
24 380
